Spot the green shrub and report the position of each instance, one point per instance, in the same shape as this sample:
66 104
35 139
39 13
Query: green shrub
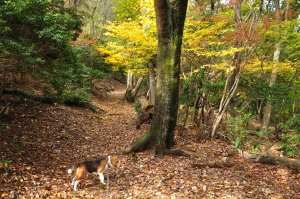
238 129
76 98
4 163
290 137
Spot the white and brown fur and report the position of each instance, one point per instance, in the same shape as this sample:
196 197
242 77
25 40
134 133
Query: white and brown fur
92 166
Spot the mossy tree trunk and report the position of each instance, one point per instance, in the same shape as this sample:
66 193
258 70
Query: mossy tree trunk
170 17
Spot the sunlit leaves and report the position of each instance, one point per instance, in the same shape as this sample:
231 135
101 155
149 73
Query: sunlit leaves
130 44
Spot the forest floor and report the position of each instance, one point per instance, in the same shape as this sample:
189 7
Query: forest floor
42 141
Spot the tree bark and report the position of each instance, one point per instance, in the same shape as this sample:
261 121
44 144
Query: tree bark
3 82
232 80
92 25
196 107
170 17
276 55
132 92
151 72
272 160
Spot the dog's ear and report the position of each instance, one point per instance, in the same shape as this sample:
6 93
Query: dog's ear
115 161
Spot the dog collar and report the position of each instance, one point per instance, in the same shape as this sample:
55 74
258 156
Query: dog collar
108 163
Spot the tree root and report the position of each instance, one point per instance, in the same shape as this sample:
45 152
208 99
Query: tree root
138 145
213 165
142 143
180 152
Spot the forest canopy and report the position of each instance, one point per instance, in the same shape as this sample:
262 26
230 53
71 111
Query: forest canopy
239 70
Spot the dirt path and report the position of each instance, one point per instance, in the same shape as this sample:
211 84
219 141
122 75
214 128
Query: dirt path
43 141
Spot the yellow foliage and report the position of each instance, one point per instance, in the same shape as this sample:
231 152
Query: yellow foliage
131 44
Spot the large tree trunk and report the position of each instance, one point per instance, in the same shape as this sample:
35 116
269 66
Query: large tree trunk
170 17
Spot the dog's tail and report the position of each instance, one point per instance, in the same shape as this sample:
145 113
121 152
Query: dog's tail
71 170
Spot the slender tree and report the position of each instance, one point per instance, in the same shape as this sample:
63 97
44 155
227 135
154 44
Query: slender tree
170 17
274 74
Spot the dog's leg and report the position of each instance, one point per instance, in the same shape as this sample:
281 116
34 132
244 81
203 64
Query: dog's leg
75 185
73 181
101 177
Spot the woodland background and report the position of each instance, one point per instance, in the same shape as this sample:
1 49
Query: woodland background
238 87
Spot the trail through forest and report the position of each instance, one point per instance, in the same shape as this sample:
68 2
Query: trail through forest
42 141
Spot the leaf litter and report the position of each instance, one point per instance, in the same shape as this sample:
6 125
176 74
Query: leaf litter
42 141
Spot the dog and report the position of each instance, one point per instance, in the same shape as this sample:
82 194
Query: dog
92 166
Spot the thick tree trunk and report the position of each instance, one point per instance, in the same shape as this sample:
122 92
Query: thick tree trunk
170 17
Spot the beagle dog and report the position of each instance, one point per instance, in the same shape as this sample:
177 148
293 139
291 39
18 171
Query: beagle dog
92 166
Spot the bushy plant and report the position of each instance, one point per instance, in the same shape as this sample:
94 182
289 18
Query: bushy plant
78 97
238 129
35 39
4 163
290 137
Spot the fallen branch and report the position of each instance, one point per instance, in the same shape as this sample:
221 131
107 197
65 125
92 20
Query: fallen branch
272 160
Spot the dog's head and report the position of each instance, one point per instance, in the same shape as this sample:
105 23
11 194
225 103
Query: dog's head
115 161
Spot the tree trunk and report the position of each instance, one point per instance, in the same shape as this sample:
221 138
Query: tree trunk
212 7
259 104
132 92
129 80
187 107
151 68
276 55
196 107
3 82
92 25
294 105
227 96
268 107
232 79
170 17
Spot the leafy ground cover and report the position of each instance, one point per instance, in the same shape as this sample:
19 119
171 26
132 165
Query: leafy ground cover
39 142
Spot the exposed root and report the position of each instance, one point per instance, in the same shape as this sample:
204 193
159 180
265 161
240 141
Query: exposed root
138 145
180 152
213 165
